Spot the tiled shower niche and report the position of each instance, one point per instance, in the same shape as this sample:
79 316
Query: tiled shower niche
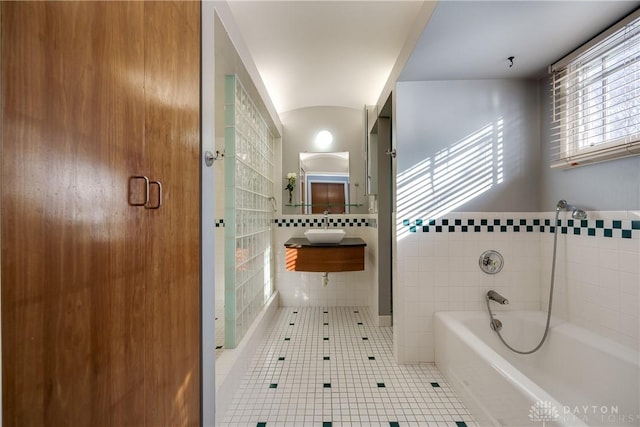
248 211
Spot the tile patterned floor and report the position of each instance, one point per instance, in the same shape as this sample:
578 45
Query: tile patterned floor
332 367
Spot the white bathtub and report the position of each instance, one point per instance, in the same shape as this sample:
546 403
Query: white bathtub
581 377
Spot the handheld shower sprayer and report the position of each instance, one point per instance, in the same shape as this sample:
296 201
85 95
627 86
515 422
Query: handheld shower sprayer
576 213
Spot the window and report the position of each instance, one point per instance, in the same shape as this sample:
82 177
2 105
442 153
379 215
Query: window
595 95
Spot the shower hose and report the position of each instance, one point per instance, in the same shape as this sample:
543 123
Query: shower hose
553 275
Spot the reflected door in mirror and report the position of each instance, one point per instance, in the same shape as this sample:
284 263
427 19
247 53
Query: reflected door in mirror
329 196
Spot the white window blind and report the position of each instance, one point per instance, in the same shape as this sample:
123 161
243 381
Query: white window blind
595 95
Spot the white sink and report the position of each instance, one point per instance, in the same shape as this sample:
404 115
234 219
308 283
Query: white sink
322 235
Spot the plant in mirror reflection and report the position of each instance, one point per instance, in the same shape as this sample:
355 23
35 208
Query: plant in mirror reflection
291 178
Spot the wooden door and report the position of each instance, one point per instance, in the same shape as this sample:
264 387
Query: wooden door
325 195
172 128
85 337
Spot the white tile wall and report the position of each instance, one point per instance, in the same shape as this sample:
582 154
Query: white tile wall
597 283
597 279
301 289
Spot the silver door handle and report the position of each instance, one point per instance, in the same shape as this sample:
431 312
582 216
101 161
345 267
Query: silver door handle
157 205
133 179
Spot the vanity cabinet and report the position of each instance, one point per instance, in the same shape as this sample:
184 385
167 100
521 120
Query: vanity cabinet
301 255
100 298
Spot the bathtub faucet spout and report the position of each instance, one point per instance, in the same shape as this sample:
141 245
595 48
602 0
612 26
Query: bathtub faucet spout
493 295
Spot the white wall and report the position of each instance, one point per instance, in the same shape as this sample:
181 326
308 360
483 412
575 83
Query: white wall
606 186
439 271
301 289
598 285
463 146
598 278
440 123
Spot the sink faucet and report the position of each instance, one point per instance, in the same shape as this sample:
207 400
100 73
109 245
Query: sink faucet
325 219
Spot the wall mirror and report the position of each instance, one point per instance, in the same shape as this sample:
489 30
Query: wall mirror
324 182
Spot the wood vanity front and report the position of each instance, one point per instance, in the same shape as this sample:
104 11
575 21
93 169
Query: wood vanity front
301 255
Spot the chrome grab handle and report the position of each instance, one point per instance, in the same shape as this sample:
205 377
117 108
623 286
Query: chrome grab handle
157 206
146 190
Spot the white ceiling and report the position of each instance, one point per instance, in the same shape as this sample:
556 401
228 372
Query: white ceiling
473 39
340 53
324 53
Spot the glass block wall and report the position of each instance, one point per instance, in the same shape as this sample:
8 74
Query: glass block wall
248 211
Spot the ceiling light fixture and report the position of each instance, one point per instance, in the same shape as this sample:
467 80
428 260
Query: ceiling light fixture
324 138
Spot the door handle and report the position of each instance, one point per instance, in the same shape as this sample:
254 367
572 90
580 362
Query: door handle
133 179
147 190
159 203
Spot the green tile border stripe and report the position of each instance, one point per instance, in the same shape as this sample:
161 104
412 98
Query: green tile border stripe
335 221
625 229
311 222
610 228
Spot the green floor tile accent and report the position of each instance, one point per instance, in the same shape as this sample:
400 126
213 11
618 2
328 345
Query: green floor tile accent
435 385
343 359
261 425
